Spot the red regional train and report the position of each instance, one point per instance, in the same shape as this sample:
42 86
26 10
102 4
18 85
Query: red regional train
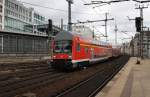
72 50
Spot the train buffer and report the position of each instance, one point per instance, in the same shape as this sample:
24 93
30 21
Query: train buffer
132 81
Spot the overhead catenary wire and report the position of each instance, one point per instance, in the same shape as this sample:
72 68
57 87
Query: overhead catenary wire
55 9
92 7
100 32
105 2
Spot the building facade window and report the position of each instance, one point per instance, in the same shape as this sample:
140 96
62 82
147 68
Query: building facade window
24 18
0 27
1 8
19 25
1 1
16 7
0 19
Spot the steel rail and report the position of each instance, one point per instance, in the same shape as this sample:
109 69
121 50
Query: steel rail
106 74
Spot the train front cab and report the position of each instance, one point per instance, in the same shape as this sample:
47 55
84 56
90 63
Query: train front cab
70 54
62 55
74 52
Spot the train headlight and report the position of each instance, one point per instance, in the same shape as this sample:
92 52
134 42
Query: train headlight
70 57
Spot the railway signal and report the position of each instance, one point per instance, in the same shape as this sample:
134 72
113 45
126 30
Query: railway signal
50 27
138 23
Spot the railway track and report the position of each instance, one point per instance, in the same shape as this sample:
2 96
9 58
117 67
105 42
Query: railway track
27 85
91 86
19 72
25 78
9 66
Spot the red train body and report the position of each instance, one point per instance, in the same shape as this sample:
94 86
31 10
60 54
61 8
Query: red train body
72 51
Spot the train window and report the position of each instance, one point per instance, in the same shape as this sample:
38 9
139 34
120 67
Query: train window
67 46
78 47
63 47
86 50
58 47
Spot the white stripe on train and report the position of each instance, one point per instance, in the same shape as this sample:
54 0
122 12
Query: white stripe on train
90 60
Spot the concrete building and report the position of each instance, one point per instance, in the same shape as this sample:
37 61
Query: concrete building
136 48
2 14
135 42
15 17
23 31
126 49
146 44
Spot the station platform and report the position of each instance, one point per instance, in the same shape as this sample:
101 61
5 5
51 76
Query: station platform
132 81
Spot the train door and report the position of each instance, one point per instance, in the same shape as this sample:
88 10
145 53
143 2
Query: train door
77 51
92 53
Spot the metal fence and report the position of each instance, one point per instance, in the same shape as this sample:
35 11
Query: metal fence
23 44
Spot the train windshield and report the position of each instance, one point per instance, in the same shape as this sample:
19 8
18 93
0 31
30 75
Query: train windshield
63 47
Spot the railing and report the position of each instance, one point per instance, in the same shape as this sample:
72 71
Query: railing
11 44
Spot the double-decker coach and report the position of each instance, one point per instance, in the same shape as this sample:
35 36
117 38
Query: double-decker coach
72 50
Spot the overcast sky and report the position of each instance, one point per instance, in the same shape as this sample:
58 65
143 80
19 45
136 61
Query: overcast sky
119 11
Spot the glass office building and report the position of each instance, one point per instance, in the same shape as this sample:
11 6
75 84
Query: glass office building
38 19
1 14
18 18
